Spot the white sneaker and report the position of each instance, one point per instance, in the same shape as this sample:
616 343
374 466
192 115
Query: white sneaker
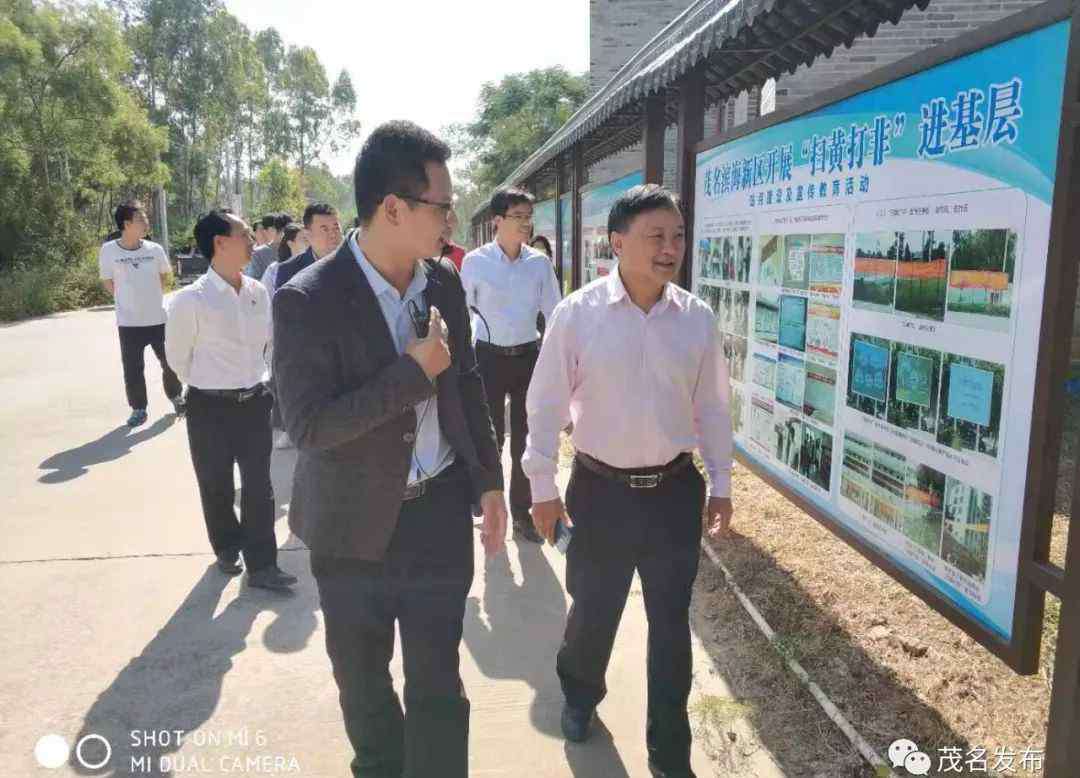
282 440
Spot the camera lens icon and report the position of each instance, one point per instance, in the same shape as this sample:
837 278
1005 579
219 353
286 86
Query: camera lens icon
52 751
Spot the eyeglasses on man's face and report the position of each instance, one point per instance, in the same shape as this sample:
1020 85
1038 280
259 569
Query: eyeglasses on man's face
521 218
446 208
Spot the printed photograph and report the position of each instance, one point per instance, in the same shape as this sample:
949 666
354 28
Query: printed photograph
771 271
827 263
966 542
711 260
815 458
923 505
981 278
761 423
819 397
744 245
727 258
922 265
875 271
738 405
767 317
726 319
788 433
970 404
791 382
868 375
711 295
913 393
874 478
856 472
764 371
737 358
796 261
823 331
740 312
793 322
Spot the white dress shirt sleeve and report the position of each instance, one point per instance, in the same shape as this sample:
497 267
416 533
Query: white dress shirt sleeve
548 405
468 278
181 327
550 296
712 416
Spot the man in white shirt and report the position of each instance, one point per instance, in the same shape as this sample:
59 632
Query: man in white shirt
135 271
637 364
507 284
216 336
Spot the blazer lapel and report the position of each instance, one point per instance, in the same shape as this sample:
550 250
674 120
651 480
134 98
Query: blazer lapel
365 309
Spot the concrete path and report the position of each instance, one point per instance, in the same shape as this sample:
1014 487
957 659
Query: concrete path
117 625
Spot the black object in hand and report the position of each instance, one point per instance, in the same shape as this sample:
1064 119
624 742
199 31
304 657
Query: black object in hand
421 319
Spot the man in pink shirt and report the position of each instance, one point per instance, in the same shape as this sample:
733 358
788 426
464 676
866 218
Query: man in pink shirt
636 362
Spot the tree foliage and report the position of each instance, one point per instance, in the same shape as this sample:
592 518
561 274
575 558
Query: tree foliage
71 133
514 118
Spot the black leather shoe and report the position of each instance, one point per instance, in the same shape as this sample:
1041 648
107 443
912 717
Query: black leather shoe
523 531
286 577
575 723
229 564
270 578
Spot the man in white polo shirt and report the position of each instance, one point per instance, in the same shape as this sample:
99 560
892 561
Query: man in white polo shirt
507 284
135 271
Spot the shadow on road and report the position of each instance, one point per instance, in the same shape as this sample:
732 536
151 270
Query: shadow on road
516 636
75 462
176 682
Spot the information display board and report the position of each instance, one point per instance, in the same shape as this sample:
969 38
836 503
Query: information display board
877 267
597 259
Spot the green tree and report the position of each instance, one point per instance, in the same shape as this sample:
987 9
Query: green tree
280 187
72 136
321 185
514 118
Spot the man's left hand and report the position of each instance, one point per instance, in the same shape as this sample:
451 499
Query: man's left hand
716 520
493 530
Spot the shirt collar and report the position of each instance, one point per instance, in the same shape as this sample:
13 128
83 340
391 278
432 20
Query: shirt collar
616 291
380 285
523 254
221 284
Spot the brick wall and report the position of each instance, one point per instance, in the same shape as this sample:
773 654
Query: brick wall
917 30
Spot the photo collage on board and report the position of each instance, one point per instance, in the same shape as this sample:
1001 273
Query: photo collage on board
722 274
795 348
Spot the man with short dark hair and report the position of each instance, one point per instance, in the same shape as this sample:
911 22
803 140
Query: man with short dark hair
637 364
378 386
216 336
508 284
324 235
273 224
135 271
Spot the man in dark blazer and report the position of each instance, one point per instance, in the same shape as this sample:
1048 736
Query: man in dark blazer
380 391
324 234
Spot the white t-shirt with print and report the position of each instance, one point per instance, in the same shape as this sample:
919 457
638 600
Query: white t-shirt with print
136 277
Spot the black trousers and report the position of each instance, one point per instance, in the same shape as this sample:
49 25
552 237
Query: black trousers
619 529
421 584
221 433
510 376
133 343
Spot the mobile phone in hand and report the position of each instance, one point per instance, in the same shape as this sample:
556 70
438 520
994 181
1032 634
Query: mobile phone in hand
563 535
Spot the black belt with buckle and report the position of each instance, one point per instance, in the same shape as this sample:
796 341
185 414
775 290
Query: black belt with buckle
510 351
236 395
637 477
420 488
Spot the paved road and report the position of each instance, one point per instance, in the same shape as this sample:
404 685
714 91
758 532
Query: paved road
116 623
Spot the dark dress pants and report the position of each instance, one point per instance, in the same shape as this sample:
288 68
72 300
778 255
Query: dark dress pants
619 529
133 343
221 433
421 584
505 376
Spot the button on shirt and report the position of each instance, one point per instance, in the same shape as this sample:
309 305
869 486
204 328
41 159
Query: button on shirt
215 337
640 388
431 453
136 276
509 293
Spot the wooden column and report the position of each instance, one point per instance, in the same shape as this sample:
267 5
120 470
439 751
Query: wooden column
691 132
653 133
753 104
578 173
557 248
